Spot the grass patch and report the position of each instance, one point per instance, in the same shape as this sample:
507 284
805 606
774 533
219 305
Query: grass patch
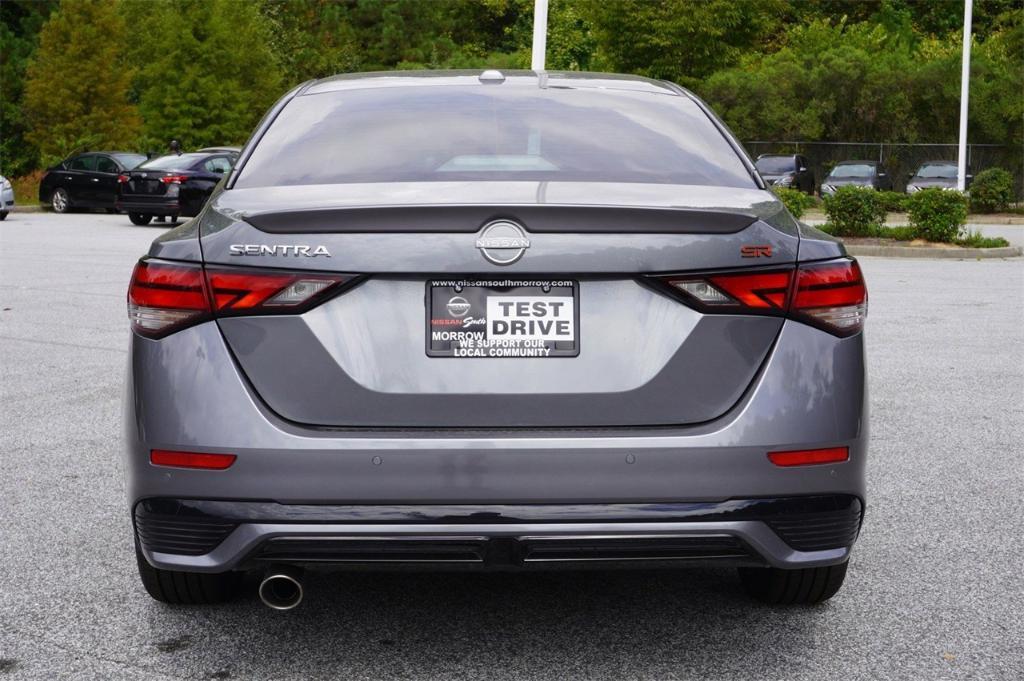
26 188
974 239
905 233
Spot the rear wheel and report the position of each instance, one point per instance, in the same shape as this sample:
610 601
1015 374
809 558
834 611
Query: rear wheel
3 215
804 586
140 218
187 588
60 201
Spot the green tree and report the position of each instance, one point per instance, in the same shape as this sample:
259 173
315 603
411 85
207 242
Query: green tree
874 81
77 85
997 83
680 40
207 70
20 21
314 38
831 82
571 42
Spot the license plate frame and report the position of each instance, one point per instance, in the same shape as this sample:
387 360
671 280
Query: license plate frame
450 303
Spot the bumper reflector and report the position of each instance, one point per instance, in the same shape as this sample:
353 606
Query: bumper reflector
810 457
213 462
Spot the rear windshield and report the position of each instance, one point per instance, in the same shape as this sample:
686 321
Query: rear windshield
938 170
853 170
444 133
129 161
173 162
773 165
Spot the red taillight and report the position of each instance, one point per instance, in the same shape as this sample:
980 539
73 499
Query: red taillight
733 291
174 179
212 462
241 291
832 294
164 297
810 457
122 178
759 290
829 294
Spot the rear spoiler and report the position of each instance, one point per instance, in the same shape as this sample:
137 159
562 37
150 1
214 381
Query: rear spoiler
470 218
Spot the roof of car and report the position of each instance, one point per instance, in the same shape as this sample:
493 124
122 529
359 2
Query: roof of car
859 163
192 154
541 79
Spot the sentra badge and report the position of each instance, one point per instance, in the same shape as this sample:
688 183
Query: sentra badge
280 249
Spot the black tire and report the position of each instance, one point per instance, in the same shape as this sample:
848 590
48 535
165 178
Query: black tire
804 586
60 201
3 216
140 219
187 588
173 219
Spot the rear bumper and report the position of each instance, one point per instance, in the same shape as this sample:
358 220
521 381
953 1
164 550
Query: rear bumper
150 206
205 535
185 392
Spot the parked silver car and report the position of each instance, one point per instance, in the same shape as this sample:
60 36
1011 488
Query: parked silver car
934 175
494 320
867 174
6 197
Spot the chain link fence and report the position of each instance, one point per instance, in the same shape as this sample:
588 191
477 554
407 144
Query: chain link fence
900 159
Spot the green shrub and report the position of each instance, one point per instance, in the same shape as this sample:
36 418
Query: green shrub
991 191
854 211
938 214
795 201
893 202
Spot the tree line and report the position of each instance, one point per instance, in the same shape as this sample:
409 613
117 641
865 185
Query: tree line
134 74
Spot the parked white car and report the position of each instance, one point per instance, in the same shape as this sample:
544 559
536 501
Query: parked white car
6 197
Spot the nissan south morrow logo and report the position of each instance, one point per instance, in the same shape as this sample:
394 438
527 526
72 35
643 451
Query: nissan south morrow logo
503 242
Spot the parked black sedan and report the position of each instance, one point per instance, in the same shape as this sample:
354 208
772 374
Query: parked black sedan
172 186
87 180
869 174
791 172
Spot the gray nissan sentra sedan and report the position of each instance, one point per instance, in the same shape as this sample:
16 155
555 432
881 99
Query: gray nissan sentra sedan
483 320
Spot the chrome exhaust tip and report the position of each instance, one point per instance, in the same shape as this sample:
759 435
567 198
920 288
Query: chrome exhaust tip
281 589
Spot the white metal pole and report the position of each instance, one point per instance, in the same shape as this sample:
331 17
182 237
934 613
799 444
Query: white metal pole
965 76
540 34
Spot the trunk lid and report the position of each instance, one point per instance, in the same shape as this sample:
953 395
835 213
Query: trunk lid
145 183
369 357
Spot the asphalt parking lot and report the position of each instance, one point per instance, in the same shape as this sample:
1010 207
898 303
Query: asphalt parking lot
935 590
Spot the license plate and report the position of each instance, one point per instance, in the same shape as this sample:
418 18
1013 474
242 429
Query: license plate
146 186
503 318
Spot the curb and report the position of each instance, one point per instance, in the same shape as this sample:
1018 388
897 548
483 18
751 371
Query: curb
941 253
27 209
